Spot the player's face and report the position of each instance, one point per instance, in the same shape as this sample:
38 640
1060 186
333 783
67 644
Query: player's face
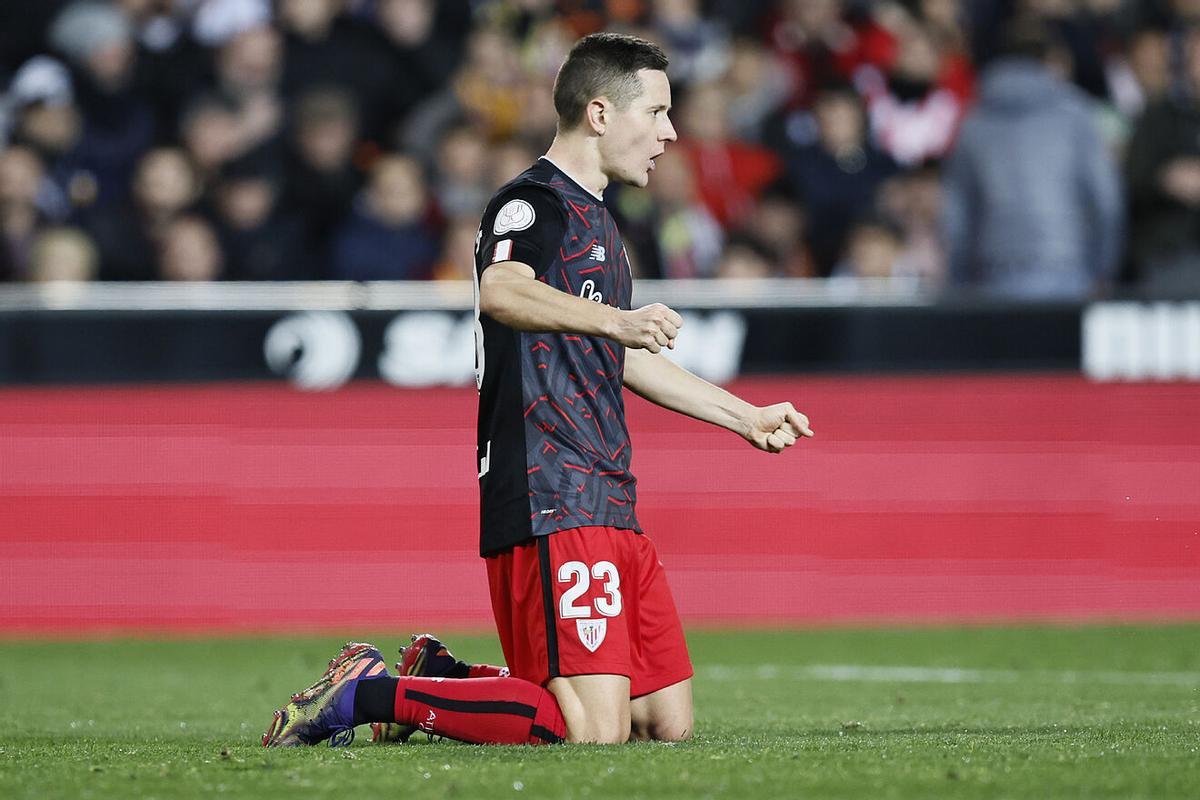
639 133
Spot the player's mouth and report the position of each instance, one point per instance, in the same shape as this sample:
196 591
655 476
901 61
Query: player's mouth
656 155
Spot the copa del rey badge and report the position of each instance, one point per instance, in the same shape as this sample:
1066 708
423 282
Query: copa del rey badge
591 632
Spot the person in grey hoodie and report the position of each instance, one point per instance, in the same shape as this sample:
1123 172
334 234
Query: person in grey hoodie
1032 206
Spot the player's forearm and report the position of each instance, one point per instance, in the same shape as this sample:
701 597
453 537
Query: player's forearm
530 305
665 383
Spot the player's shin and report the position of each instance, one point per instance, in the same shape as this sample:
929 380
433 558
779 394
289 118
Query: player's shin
475 710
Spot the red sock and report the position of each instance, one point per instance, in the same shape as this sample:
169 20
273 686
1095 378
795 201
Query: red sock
486 671
481 710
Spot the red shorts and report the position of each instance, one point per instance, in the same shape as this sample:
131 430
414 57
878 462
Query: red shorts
588 601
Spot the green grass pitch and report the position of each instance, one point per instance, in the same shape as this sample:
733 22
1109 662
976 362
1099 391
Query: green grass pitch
1026 712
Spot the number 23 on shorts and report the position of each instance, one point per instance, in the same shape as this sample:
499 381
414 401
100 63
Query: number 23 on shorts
577 574
572 604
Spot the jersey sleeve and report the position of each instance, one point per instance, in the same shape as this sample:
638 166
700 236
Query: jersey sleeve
526 224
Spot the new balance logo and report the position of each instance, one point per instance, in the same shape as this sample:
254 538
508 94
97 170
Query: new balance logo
597 252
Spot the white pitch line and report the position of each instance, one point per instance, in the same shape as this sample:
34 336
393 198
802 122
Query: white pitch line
864 673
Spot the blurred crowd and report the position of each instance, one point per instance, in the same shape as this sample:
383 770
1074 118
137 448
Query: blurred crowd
1028 149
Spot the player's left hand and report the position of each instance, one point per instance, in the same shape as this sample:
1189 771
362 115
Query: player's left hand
776 428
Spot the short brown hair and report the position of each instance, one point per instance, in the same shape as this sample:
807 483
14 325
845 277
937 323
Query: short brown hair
603 64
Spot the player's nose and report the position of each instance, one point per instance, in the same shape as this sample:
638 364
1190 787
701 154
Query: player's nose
667 134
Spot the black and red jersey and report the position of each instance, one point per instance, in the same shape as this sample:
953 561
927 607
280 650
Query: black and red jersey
553 445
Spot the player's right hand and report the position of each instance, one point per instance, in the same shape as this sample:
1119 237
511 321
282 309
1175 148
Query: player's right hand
651 327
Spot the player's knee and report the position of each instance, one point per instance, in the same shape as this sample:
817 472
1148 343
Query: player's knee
596 731
673 726
671 731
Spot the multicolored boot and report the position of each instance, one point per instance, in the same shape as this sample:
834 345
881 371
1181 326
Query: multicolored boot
325 710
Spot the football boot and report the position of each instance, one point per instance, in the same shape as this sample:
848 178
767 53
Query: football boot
325 710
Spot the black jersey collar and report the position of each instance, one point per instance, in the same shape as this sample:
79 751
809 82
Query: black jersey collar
567 175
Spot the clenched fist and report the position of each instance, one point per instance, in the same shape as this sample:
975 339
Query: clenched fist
651 327
775 428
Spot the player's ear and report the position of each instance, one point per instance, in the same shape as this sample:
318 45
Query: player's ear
598 111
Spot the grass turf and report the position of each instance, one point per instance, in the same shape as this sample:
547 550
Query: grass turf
972 712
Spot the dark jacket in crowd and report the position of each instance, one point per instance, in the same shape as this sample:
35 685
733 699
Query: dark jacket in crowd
368 250
274 251
127 252
1165 234
321 200
118 130
835 191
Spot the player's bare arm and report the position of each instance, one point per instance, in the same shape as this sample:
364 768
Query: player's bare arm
510 294
771 428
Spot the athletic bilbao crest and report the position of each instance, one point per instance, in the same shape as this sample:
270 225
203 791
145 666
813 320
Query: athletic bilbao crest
591 632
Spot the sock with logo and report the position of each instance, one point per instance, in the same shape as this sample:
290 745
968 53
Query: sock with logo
486 671
461 669
491 710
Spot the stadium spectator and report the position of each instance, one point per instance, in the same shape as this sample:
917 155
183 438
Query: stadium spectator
1163 170
778 227
916 106
758 84
423 40
1033 206
259 240
127 234
729 174
836 175
97 41
545 38
874 246
698 46
490 86
170 63
322 178
249 71
21 175
460 184
913 200
324 46
63 254
744 258
946 21
821 47
688 238
387 236
43 117
189 251
1140 75
210 133
1085 31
